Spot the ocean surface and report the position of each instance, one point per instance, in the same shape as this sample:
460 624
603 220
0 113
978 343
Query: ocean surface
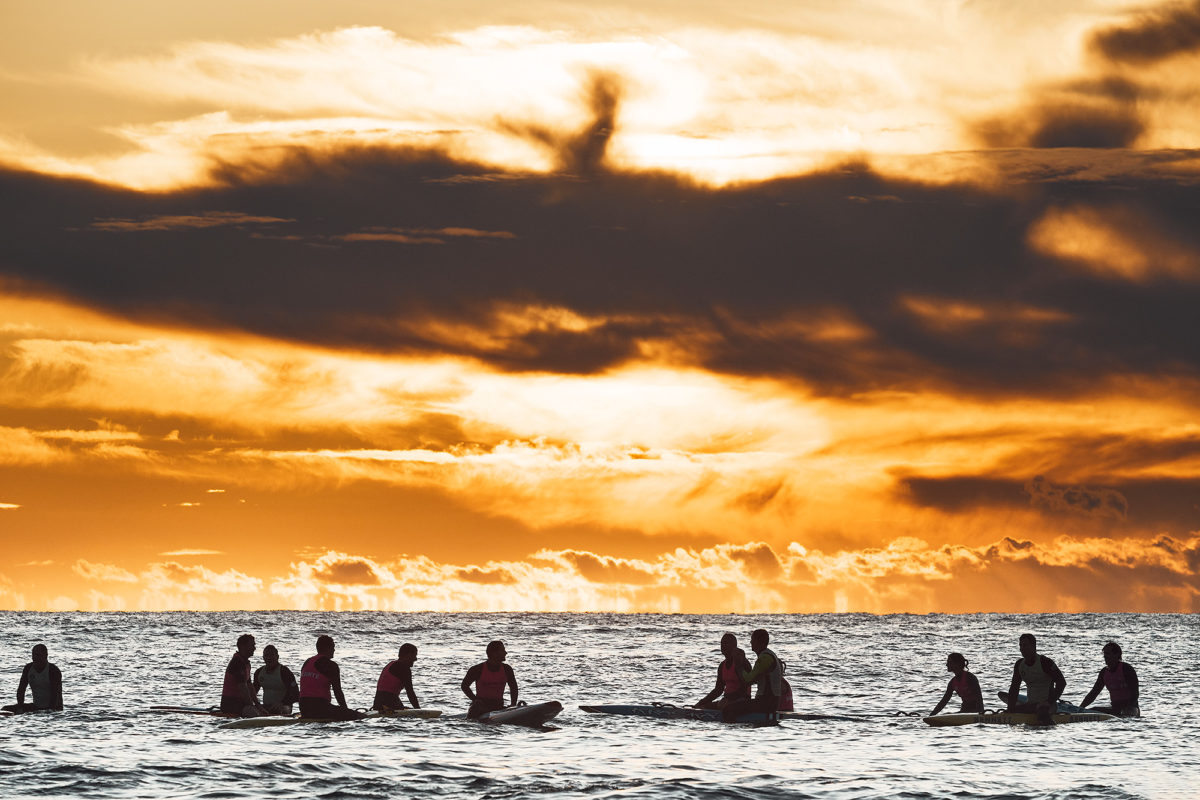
107 745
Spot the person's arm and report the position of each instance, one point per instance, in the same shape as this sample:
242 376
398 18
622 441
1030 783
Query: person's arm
512 684
23 684
56 701
1058 682
743 662
1015 686
1087 701
334 673
762 666
291 689
718 688
256 683
945 699
469 680
408 688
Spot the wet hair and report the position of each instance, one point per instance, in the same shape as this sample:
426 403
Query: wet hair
1113 646
244 639
324 643
761 633
957 658
1032 639
729 637
407 649
495 645
270 649
40 648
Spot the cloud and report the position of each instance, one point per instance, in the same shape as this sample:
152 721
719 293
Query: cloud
1077 499
1101 113
9 506
1155 34
102 572
173 578
204 219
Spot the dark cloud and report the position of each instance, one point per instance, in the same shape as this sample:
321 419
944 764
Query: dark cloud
485 576
350 571
760 560
1101 113
1156 34
606 569
739 279
1077 499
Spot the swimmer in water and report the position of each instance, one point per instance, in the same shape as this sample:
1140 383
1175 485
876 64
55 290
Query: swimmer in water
395 676
489 680
319 678
1043 679
44 680
729 686
1122 683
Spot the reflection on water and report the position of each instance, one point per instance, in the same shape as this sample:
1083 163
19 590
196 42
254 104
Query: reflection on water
115 665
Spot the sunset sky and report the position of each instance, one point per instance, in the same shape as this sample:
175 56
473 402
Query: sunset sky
828 305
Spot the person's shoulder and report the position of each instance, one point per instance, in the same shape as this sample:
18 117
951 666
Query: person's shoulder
1127 667
508 670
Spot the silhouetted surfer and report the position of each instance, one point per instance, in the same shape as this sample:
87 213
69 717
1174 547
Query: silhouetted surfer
1043 679
766 675
729 676
395 676
319 677
44 680
965 684
237 695
278 684
1122 683
489 679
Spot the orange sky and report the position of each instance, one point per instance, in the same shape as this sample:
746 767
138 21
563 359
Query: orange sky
664 307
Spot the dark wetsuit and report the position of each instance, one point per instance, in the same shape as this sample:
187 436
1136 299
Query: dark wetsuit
320 673
402 679
46 685
236 674
489 688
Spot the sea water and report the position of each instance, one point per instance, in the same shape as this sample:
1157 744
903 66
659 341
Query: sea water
107 745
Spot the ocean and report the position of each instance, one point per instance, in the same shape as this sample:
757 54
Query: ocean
106 744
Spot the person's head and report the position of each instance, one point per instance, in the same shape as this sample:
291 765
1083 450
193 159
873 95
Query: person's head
325 645
729 646
408 653
245 645
1028 644
1112 655
759 640
270 654
956 662
496 652
40 654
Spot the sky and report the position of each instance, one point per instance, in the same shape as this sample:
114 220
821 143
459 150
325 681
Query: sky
833 305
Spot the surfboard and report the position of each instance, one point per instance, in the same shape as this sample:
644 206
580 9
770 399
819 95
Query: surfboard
1004 718
205 712
668 711
274 722
529 715
1063 708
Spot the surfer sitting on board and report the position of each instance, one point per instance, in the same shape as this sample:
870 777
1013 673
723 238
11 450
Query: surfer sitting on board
237 696
489 679
1044 681
278 684
729 676
964 683
44 680
319 677
767 676
395 676
1122 683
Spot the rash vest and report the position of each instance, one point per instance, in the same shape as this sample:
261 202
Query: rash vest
273 687
312 682
388 682
771 683
490 685
235 680
1037 680
731 679
1119 690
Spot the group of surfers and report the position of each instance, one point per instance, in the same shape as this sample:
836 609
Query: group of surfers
484 684
1044 684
